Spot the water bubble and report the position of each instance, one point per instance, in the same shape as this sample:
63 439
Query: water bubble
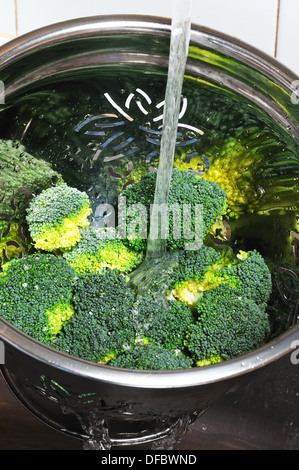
260 192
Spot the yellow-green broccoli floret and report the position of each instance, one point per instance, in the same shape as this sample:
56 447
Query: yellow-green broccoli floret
231 168
206 269
55 216
196 272
36 293
97 250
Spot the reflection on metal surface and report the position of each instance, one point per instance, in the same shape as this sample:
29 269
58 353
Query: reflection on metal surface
109 122
97 419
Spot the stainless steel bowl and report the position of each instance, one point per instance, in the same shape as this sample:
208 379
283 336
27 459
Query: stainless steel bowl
55 79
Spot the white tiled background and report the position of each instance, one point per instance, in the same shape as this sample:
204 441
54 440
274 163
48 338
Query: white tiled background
270 25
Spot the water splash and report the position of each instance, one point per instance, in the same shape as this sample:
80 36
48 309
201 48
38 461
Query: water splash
175 435
98 435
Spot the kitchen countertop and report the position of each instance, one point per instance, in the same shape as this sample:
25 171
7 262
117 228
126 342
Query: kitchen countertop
263 415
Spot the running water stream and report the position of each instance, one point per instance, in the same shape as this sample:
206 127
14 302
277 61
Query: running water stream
179 46
158 264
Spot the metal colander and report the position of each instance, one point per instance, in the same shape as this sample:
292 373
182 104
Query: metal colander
87 97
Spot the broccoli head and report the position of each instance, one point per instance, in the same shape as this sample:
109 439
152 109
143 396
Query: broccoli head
201 271
187 193
161 322
103 324
35 294
229 324
252 275
192 274
152 357
55 215
97 250
109 320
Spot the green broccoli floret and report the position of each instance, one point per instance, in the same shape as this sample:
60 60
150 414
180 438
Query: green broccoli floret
229 325
252 275
161 322
96 250
86 338
152 358
109 320
103 324
35 295
201 271
55 215
186 192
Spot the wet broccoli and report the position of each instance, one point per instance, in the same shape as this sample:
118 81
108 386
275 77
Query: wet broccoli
103 324
192 274
152 357
253 276
161 322
21 177
35 295
229 324
201 271
55 216
187 192
97 250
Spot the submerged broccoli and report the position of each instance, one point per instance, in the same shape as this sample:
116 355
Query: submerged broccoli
191 307
54 217
96 250
229 325
231 166
109 320
35 295
186 192
103 325
21 177
152 358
